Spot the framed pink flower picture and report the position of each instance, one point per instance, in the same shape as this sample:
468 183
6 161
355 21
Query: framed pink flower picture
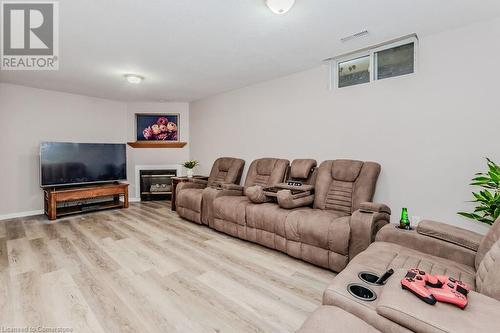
157 127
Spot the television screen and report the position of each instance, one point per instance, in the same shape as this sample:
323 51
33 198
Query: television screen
65 163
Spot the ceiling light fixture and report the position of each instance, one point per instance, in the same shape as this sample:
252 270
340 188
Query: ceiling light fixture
280 6
133 78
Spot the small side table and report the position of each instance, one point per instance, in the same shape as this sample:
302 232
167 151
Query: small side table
177 180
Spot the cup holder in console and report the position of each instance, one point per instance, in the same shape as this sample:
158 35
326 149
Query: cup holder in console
361 292
368 277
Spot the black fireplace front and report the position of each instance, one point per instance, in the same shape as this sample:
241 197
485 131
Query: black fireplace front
156 184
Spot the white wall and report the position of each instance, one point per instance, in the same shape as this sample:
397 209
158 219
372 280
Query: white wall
29 116
429 131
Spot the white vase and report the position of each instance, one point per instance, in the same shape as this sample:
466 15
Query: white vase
190 173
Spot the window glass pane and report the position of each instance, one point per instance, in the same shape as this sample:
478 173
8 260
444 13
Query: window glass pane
355 71
395 61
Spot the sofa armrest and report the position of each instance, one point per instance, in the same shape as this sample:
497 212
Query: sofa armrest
186 185
451 234
305 187
404 308
365 223
233 187
256 194
430 245
374 207
288 200
199 181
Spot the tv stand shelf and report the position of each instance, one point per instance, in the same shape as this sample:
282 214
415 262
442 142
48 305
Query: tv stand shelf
76 200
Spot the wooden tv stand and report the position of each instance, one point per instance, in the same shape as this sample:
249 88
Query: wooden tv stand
79 199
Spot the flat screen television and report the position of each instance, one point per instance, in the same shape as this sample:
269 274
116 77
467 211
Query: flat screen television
65 163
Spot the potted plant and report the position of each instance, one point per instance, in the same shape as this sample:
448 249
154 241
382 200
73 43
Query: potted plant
190 165
488 198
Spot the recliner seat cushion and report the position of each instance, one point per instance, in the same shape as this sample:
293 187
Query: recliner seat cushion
380 256
268 216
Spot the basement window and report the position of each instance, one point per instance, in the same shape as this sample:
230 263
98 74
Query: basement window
395 61
384 61
354 71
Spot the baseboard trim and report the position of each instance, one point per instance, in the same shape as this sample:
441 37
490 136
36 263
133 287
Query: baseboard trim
21 214
134 199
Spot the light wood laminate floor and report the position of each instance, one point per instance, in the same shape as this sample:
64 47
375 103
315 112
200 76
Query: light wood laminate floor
144 269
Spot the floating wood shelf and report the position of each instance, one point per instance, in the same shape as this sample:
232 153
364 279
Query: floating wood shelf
157 144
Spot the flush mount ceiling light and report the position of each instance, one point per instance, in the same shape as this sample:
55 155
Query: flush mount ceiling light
133 78
280 6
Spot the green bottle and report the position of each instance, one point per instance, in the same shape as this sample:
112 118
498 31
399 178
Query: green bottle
404 223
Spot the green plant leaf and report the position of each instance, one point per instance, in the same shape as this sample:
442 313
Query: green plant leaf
496 213
487 221
478 196
468 215
494 177
487 200
487 195
481 178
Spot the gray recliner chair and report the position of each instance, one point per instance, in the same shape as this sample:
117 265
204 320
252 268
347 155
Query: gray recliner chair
189 195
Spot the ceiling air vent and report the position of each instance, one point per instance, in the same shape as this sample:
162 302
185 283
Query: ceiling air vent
353 36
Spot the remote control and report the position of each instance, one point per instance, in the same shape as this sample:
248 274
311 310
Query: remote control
381 280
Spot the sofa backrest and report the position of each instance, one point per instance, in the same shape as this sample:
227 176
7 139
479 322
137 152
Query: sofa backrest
342 185
303 170
226 170
266 172
487 242
488 263
488 273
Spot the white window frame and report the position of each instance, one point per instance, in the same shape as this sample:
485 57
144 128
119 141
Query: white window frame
371 52
335 67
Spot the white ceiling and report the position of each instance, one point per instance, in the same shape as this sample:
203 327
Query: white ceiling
190 49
